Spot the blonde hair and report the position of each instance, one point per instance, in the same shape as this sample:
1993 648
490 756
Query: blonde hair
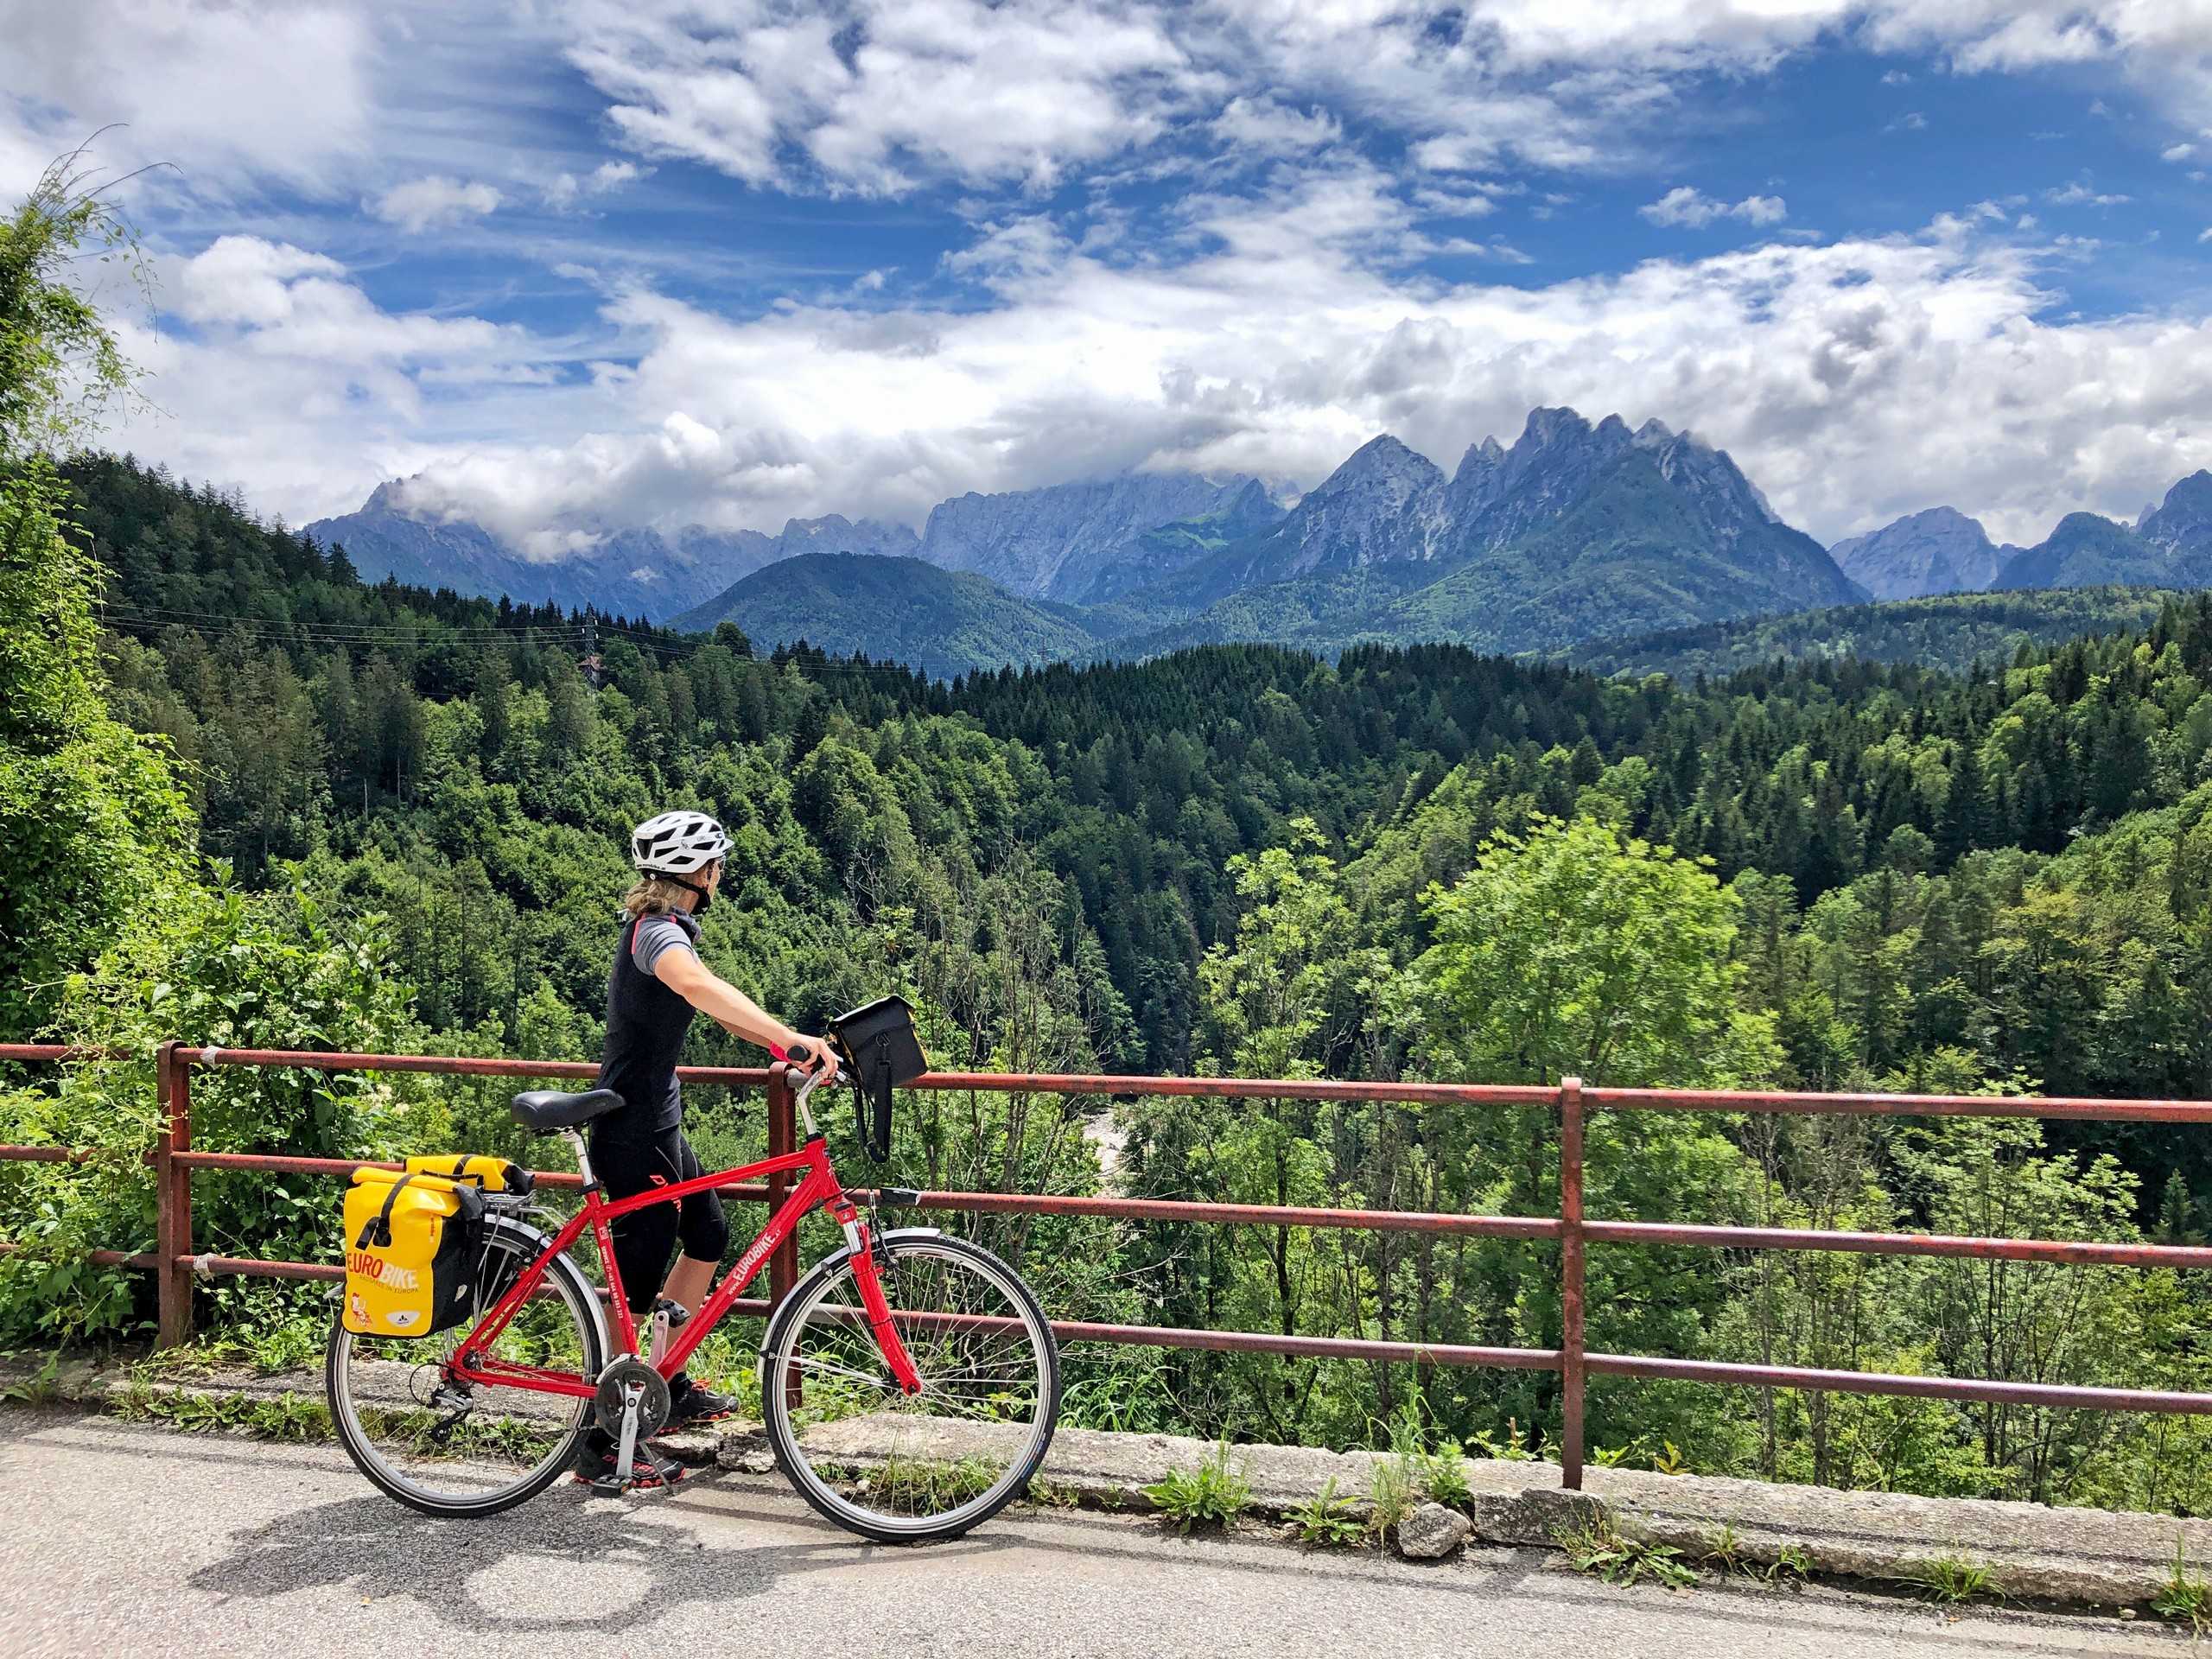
654 896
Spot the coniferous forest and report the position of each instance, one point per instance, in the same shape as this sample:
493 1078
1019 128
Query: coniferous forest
309 813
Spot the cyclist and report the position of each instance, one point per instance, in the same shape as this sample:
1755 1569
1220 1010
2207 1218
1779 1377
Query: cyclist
658 984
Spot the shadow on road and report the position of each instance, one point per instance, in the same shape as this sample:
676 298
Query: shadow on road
578 1565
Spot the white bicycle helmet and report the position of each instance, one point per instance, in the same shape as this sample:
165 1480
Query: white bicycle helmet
676 843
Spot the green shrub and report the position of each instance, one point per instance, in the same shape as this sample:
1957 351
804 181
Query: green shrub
2184 1597
1597 1547
1951 1578
1211 1495
1328 1520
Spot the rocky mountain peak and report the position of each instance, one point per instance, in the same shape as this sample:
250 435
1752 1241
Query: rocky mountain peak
2184 520
1939 550
1381 463
1053 543
1554 460
1385 503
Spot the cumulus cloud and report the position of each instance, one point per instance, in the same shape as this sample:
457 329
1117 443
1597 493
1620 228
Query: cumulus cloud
567 190
875 92
1684 205
277 374
2079 194
1854 382
239 92
877 95
421 203
1273 327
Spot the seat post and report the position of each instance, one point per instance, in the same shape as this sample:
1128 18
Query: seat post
584 1160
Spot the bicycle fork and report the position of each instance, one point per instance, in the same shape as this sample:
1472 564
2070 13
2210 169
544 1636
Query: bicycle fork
860 1238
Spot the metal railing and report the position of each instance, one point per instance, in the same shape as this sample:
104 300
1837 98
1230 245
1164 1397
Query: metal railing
175 1262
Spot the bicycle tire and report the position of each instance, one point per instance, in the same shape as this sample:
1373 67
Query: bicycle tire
575 1292
777 1363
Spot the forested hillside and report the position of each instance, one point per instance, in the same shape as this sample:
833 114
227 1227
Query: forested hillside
1246 858
435 757
1953 632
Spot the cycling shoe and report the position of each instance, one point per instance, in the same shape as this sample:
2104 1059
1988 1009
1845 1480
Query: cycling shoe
688 1403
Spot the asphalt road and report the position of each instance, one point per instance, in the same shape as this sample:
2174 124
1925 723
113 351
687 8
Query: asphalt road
123 1539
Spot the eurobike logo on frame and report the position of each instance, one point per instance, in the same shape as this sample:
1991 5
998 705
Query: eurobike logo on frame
752 1257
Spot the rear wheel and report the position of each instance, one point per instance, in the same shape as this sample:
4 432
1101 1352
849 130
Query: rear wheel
477 1448
899 1468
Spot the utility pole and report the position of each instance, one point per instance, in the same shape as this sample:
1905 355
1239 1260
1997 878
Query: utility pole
591 663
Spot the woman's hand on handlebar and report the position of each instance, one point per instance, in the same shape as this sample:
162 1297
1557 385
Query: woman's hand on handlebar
810 1055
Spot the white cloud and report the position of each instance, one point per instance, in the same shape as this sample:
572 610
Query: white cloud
877 95
1853 381
2078 195
421 203
278 375
567 190
876 92
1687 206
1260 125
232 94
2176 152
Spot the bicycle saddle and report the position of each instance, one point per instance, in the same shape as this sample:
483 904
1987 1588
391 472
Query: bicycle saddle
546 1110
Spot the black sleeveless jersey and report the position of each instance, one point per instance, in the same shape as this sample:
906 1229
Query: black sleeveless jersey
645 1026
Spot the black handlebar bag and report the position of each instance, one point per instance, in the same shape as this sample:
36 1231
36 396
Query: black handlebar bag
879 1047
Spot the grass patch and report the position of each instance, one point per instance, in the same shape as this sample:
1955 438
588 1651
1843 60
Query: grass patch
1511 1450
287 1417
924 1486
2184 1597
1212 1495
41 1387
1790 1566
1951 1578
1724 1554
1327 1520
414 1432
1393 1492
1411 1474
1597 1547
1052 1494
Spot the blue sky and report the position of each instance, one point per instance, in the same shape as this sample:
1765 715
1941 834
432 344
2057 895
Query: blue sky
577 264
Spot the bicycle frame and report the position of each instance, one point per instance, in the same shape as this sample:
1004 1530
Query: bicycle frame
819 1188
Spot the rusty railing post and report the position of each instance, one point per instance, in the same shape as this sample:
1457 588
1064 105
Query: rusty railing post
173 1199
783 1137
1570 1270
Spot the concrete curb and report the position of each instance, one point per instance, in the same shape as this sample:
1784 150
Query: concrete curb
2034 1552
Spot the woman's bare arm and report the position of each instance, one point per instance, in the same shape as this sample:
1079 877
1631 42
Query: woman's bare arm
722 1002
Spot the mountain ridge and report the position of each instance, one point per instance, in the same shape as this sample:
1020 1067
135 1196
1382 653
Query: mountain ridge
896 608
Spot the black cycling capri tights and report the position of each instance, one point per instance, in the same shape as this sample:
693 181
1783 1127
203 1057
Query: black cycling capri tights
642 1238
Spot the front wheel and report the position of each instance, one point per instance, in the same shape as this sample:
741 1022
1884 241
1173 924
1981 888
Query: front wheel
899 1468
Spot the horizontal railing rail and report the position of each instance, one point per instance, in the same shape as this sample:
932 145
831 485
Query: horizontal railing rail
176 1264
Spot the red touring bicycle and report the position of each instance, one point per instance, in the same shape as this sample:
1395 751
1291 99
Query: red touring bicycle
909 1383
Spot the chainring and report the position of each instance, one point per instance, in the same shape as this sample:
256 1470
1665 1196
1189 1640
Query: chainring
652 1404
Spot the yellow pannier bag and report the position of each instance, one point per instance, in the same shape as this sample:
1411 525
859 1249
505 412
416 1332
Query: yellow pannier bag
411 1247
474 1169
